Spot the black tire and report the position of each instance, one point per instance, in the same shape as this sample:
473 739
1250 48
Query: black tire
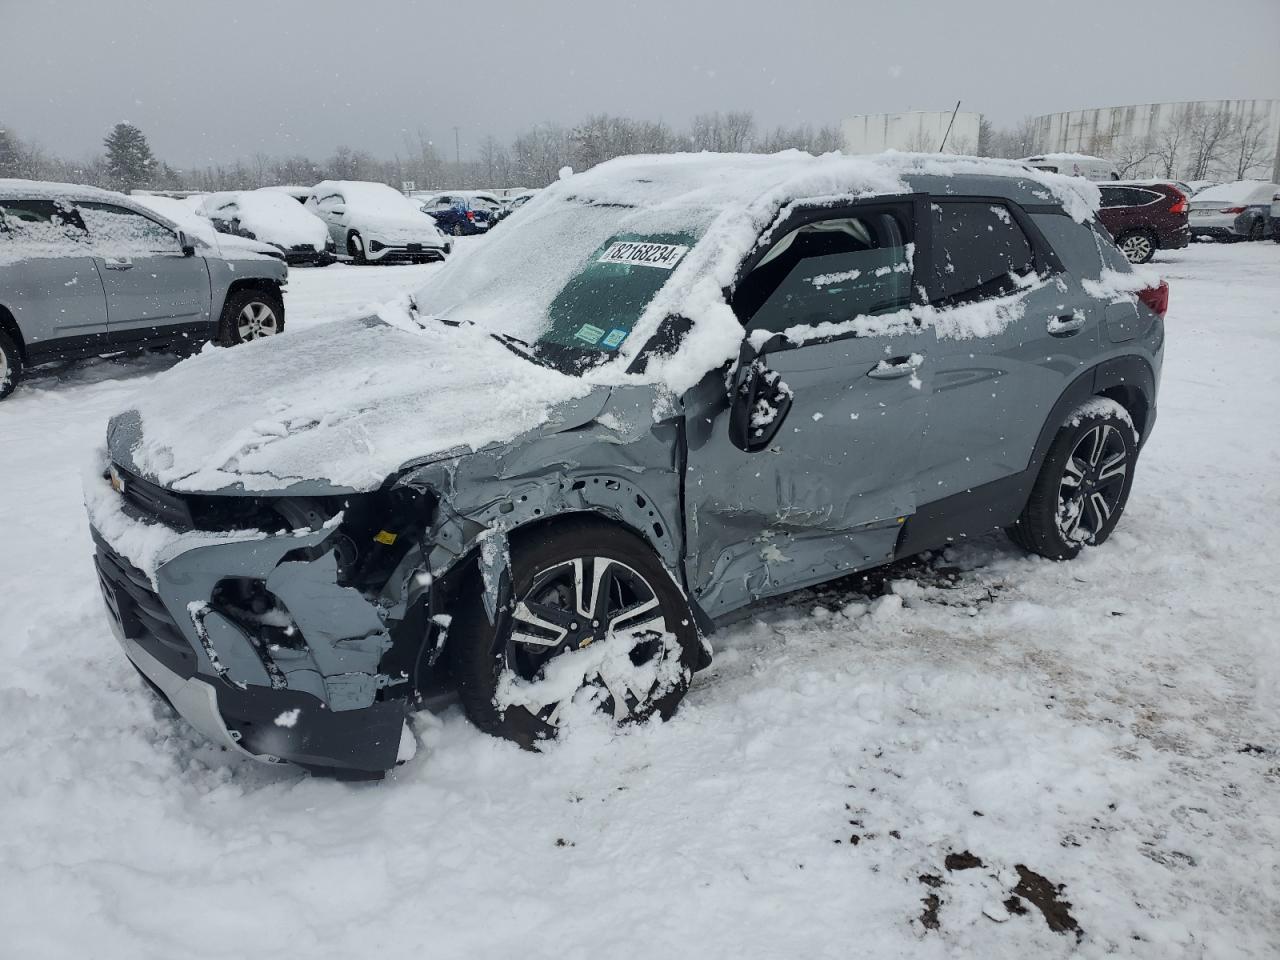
1057 522
10 365
230 327
1138 246
355 247
480 653
457 230
1257 230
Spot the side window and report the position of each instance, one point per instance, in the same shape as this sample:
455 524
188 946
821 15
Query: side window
1112 197
830 271
120 231
41 228
978 251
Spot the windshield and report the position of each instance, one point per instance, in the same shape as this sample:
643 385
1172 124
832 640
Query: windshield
570 278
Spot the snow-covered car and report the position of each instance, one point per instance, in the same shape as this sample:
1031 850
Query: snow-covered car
86 271
183 214
517 200
687 384
1074 165
299 193
1233 211
374 223
1275 217
273 217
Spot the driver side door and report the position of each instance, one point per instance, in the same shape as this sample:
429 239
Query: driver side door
826 308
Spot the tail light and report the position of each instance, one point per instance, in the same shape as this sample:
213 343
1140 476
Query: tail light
1179 205
1157 298
1232 210
471 215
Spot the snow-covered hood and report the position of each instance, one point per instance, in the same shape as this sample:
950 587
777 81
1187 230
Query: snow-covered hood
339 407
409 227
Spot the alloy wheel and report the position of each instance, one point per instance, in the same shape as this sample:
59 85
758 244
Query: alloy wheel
1136 248
581 602
257 320
1092 484
4 367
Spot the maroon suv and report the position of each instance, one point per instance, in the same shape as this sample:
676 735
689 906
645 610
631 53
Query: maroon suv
1145 217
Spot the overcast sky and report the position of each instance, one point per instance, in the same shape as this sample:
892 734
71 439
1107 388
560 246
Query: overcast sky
219 79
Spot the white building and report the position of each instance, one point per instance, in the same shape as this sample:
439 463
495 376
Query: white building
1169 139
919 131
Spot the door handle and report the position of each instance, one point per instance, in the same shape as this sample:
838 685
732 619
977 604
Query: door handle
895 367
1066 326
118 263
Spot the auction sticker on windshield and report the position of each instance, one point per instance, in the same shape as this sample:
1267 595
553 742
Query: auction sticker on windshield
664 256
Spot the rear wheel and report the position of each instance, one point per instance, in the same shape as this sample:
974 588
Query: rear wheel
457 229
594 615
10 365
1256 230
1083 485
1137 246
250 315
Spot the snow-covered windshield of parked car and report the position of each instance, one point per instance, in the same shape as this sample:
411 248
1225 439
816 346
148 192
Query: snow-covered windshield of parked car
571 278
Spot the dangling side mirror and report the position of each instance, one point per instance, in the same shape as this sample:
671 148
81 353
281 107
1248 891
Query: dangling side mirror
759 403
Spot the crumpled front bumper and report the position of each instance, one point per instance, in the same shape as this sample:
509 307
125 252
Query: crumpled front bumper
324 707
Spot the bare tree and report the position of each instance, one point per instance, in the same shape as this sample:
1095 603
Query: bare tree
1169 145
1130 153
1207 137
1249 144
723 132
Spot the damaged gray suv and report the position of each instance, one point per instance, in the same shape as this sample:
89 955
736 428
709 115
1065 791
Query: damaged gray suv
673 387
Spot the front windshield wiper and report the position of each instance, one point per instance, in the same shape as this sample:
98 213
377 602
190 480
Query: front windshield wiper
521 348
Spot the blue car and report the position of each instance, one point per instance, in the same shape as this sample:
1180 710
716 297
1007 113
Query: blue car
460 214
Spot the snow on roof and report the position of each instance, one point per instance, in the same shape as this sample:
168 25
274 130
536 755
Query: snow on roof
368 195
1065 157
1241 191
724 201
46 189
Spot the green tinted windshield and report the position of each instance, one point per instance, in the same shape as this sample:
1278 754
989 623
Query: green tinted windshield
596 310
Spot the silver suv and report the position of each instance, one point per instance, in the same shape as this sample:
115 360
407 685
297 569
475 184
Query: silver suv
86 271
671 388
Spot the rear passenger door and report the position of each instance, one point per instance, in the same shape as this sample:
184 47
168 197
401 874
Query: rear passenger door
152 286
1009 333
48 279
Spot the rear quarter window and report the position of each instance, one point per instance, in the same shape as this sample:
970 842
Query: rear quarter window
978 249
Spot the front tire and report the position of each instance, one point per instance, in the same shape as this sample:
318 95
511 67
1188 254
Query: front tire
1137 246
585 595
355 248
250 315
10 365
1083 485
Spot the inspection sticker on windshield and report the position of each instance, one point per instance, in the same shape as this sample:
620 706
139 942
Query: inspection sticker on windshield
664 256
589 333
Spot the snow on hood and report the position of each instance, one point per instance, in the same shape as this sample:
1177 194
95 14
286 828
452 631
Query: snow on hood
344 404
270 215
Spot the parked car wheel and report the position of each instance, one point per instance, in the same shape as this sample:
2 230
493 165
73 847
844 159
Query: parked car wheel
457 230
10 365
1083 485
593 611
1137 246
355 248
250 315
1257 230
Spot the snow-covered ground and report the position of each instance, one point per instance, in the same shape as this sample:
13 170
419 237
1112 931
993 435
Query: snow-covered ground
1102 734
